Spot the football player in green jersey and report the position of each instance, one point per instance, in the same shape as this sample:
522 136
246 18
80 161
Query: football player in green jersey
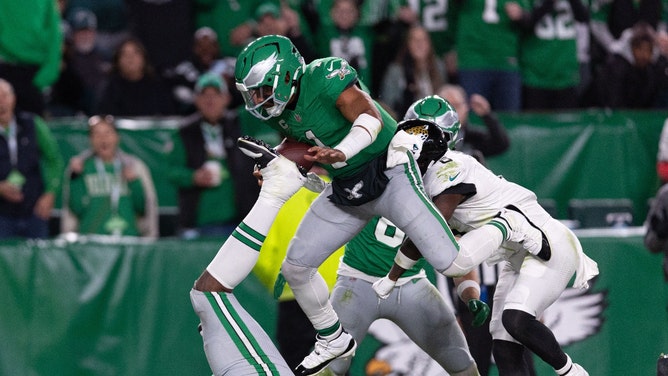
373 173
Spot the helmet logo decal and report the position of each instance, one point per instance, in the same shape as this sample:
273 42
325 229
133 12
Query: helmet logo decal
342 72
421 131
258 71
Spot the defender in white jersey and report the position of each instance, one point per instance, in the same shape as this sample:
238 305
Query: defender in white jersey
469 196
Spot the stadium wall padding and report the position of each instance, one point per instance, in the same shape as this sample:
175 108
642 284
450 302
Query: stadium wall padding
103 309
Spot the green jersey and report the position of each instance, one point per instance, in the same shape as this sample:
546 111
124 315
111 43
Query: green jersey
372 251
486 38
316 120
600 10
51 163
552 40
104 202
31 33
436 17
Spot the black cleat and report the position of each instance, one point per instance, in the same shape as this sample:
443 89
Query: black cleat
259 150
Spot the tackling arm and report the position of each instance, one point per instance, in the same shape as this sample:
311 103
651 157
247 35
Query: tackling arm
408 255
474 248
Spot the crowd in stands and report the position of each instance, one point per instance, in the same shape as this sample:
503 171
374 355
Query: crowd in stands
142 58
139 58
113 58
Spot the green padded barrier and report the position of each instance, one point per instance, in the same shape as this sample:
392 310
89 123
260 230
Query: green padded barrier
103 309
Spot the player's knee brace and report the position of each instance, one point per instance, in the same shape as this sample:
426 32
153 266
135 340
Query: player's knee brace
517 323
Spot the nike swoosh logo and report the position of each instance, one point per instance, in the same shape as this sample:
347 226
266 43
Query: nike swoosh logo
452 178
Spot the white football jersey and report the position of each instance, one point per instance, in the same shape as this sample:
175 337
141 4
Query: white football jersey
492 192
525 282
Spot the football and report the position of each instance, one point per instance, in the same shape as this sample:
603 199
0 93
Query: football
295 151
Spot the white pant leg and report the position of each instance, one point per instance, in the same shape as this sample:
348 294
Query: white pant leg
357 306
530 285
234 343
323 230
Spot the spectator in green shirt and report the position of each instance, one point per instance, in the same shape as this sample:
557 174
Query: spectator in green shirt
107 191
31 43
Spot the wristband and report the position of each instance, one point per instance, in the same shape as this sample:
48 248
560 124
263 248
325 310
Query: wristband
404 261
466 284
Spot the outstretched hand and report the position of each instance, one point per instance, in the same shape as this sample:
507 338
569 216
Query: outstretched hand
324 155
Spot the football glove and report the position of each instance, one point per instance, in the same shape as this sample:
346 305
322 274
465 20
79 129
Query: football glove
279 285
480 311
383 287
314 183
